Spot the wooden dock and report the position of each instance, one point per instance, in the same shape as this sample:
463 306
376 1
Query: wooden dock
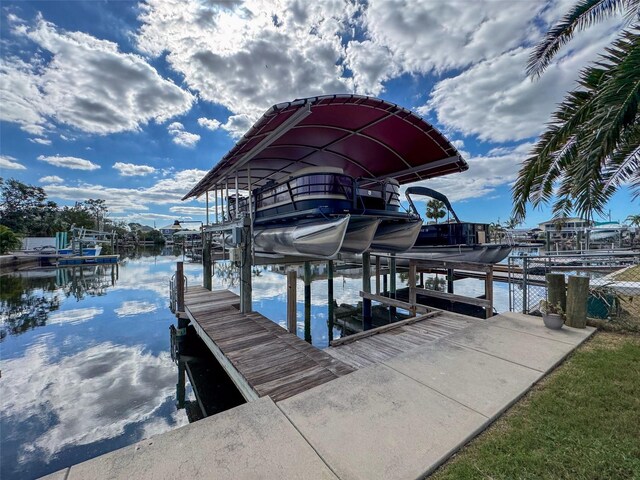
384 343
262 358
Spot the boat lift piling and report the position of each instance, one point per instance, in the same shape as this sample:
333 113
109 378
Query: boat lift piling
366 287
292 323
330 307
307 302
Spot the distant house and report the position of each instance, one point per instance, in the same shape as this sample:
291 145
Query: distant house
566 227
168 231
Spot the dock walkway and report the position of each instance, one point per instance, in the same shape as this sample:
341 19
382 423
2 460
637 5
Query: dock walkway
262 358
397 417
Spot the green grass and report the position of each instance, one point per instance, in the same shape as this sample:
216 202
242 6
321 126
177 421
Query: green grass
581 422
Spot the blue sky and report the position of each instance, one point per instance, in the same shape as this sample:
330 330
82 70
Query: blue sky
133 102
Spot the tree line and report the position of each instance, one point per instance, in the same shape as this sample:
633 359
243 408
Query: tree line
26 210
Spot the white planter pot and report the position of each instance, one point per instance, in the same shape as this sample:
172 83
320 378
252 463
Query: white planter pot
554 321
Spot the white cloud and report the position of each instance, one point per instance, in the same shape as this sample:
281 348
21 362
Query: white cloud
142 217
210 123
74 316
424 35
249 56
495 101
93 395
181 136
51 179
10 163
135 307
186 210
165 191
131 170
87 83
41 141
371 64
237 125
74 163
486 172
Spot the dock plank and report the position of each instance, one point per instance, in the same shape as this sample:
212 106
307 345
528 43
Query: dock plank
266 359
387 345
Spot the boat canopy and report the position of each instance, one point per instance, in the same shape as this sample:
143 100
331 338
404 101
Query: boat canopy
364 136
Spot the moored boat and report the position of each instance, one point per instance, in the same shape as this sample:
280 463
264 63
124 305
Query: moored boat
454 240
324 158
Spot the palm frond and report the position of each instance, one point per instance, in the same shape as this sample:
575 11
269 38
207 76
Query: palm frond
584 14
588 148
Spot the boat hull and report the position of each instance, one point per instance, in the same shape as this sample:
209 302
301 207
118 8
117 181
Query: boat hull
86 251
360 234
394 236
484 253
312 239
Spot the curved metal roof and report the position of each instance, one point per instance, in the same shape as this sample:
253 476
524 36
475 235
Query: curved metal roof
366 137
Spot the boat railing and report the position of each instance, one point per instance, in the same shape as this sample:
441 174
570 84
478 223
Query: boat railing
362 193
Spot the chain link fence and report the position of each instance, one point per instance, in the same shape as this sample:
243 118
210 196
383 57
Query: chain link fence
614 283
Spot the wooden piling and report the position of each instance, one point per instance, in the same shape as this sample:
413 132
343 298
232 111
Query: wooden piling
577 296
180 287
450 288
392 283
377 274
412 282
292 303
206 262
307 302
330 307
557 290
246 289
366 287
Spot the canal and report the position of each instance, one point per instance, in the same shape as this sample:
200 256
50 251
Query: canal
86 365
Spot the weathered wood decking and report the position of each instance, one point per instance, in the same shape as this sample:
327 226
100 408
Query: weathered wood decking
404 338
261 357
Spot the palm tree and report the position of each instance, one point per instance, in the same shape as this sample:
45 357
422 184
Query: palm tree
592 144
435 209
634 220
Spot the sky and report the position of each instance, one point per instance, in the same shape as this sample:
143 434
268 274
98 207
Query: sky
133 102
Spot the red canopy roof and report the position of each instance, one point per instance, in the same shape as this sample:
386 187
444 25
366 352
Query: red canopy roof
366 137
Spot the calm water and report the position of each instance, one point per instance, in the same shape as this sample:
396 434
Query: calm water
85 356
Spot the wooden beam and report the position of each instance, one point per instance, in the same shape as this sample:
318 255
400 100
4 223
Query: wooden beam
395 303
382 329
446 264
480 302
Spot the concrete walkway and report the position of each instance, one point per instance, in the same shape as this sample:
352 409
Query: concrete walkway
397 419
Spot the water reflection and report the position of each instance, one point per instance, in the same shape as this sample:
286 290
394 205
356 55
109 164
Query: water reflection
85 352
85 363
28 298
